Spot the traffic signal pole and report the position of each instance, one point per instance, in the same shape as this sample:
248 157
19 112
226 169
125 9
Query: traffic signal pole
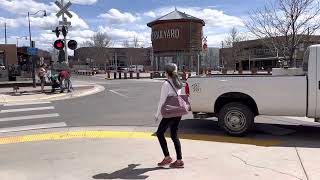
65 38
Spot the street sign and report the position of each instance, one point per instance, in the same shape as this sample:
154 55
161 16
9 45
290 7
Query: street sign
63 9
32 51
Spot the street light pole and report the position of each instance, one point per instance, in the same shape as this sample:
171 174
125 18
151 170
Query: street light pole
198 63
5 33
30 58
29 29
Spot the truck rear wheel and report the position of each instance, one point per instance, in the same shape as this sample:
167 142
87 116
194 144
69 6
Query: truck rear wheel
236 119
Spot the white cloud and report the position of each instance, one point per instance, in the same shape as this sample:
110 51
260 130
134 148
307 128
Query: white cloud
45 23
150 14
119 35
22 7
212 17
84 2
11 23
114 16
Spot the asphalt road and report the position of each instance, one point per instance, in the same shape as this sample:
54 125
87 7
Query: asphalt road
123 103
134 103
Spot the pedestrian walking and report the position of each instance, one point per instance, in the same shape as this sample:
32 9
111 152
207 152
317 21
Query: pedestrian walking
42 73
170 88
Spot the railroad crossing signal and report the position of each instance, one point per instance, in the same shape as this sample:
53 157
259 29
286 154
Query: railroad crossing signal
59 44
64 23
57 31
72 44
64 31
63 9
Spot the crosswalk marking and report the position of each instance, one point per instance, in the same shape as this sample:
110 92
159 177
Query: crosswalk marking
38 111
32 127
39 116
26 103
26 109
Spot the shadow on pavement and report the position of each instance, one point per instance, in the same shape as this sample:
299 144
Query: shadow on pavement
261 135
128 173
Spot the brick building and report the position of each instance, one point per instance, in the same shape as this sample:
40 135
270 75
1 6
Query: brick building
8 57
255 54
112 58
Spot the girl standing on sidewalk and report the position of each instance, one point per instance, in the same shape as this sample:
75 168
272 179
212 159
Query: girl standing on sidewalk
173 81
42 73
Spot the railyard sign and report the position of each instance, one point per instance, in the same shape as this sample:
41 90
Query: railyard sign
165 34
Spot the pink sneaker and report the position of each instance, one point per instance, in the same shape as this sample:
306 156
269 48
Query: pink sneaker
177 164
165 162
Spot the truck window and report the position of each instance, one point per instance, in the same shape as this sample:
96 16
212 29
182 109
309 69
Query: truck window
306 60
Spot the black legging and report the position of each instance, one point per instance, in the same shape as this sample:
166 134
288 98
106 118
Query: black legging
173 123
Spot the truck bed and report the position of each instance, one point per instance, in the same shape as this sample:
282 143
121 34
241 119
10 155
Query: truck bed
272 94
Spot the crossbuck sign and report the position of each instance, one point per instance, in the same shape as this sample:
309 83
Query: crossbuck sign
63 9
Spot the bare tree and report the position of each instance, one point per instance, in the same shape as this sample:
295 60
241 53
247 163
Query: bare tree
234 36
282 24
99 39
231 42
126 44
135 42
87 43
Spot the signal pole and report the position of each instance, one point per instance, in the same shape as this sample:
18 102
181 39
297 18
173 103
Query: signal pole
64 23
5 33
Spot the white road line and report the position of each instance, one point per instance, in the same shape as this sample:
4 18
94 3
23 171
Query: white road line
26 109
39 116
31 127
27 103
115 92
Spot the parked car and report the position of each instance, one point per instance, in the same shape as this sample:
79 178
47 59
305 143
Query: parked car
237 99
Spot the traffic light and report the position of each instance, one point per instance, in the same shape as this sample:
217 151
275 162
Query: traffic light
59 44
72 44
57 31
64 31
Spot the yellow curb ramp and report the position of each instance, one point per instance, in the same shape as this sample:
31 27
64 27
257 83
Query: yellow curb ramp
131 135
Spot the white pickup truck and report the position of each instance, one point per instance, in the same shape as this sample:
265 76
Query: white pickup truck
237 99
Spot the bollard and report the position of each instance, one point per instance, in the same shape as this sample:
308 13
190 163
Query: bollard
131 75
138 75
108 75
114 75
125 75
151 75
120 75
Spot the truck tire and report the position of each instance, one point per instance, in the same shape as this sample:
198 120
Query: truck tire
236 119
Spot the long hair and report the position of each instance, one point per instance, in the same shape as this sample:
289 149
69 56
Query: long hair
172 71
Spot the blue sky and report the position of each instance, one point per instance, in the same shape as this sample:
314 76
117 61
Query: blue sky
121 19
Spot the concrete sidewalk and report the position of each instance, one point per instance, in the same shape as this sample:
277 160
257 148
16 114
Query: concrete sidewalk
132 153
7 95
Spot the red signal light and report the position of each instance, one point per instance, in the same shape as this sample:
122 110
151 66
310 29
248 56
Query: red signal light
59 44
